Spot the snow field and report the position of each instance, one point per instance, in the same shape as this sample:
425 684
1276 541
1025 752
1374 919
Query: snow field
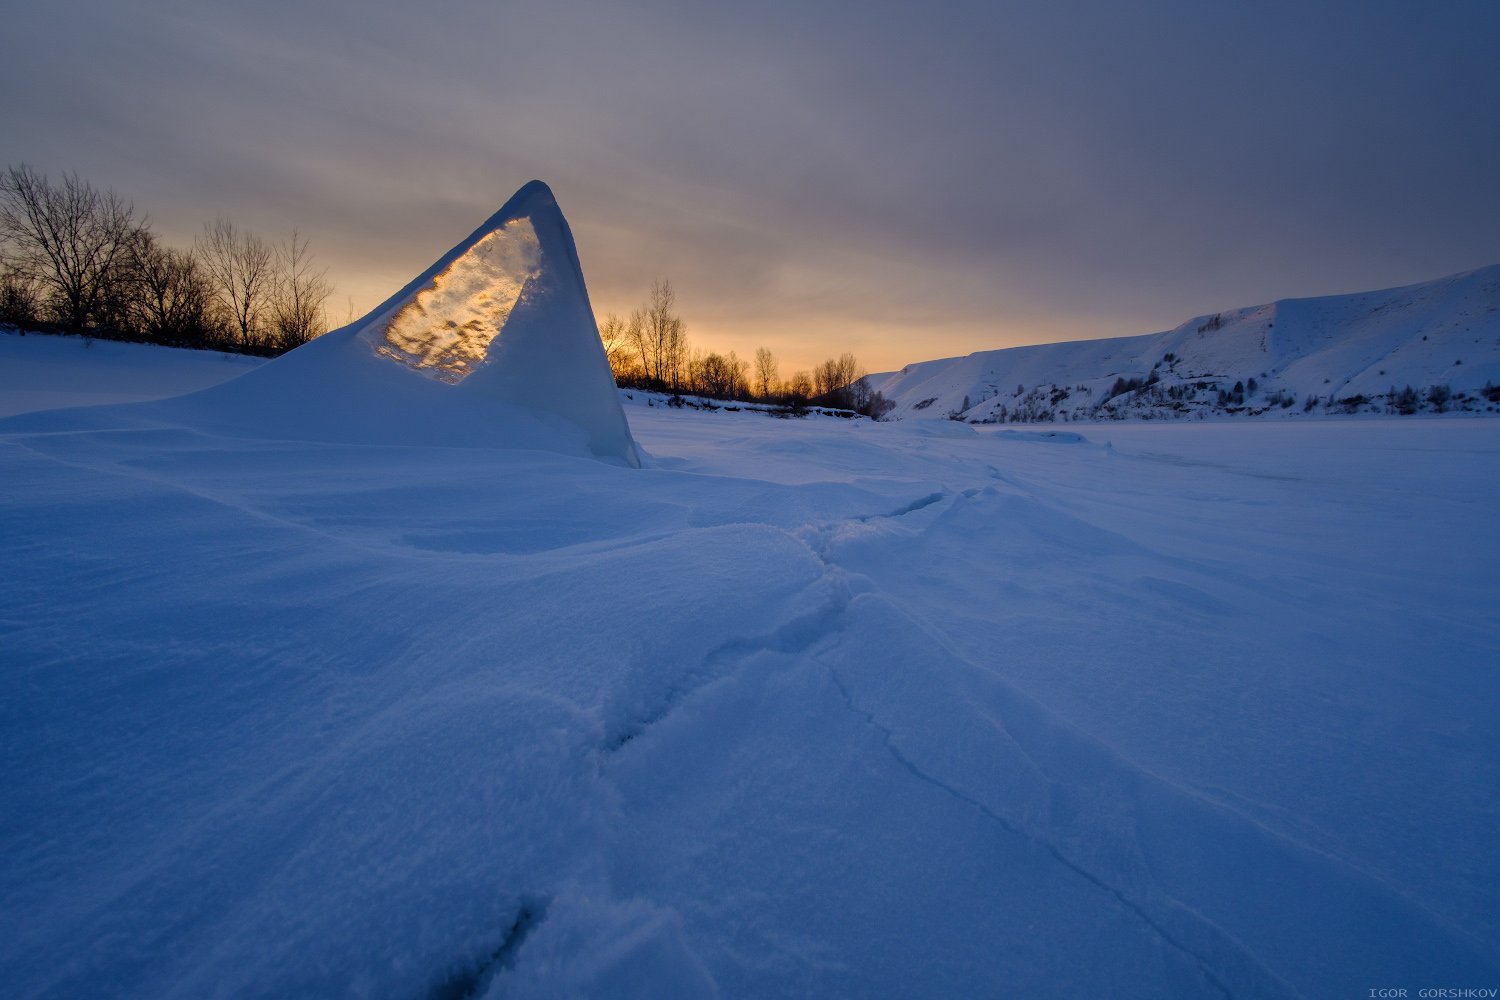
804 707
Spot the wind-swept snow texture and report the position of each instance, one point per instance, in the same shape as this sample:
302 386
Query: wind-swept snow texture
807 708
1340 354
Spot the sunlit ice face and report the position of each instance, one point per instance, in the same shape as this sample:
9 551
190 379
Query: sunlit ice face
446 329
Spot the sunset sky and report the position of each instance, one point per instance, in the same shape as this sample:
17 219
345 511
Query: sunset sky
903 181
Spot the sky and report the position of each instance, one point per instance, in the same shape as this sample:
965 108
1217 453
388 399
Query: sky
901 181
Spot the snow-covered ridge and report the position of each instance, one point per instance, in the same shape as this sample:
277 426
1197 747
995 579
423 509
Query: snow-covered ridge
1340 354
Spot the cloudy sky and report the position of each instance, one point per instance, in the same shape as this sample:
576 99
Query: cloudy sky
902 180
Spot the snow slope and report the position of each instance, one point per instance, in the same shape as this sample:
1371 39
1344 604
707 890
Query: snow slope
1331 349
39 371
812 707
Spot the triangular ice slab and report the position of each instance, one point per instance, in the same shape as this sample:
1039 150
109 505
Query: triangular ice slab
446 328
506 314
493 345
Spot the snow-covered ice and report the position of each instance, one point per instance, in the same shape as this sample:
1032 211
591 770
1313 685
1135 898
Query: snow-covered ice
805 708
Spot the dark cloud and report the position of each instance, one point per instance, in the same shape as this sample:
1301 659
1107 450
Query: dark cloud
908 180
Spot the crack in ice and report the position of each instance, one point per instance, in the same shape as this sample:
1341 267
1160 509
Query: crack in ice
1056 853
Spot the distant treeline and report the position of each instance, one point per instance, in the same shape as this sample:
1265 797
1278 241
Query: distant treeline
77 259
650 350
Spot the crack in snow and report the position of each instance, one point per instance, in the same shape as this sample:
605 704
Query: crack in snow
474 981
910 508
796 636
1056 853
819 536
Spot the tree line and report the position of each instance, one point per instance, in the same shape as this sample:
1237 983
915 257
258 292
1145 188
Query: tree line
80 259
650 350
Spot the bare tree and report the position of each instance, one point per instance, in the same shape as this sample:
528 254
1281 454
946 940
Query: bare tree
693 377
615 336
240 266
635 336
865 399
765 371
299 292
739 372
660 338
833 379
675 354
823 376
720 376
800 389
69 238
172 300
18 298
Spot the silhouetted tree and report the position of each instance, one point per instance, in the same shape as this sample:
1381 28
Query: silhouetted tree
832 380
721 376
242 271
614 335
299 291
18 298
69 238
660 338
765 371
799 390
863 399
172 299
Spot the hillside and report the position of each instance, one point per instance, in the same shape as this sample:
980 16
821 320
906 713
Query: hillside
1431 347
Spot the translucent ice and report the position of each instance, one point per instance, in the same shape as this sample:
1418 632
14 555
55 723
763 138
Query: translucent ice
446 328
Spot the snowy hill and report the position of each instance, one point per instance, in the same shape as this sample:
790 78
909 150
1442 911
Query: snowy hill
1341 354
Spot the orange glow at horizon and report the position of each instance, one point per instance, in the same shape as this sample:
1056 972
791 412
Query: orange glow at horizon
879 347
